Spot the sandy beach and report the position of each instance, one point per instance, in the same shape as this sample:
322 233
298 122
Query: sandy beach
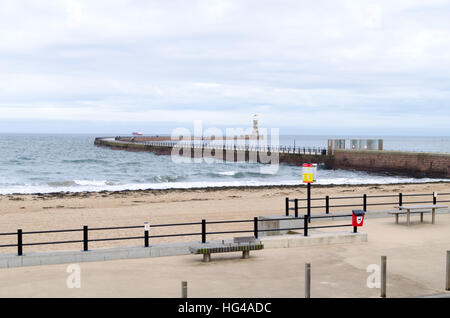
125 208
415 267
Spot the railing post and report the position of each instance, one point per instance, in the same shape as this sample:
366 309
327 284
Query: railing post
287 206
203 231
255 227
383 276
296 208
327 204
365 202
400 199
146 230
305 225
85 238
434 197
146 238
307 280
19 242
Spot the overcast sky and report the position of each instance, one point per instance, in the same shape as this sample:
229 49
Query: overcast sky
319 67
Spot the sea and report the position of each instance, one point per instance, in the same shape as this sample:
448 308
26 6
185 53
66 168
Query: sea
47 163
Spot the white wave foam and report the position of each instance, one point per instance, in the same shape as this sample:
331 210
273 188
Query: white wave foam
104 186
228 173
97 183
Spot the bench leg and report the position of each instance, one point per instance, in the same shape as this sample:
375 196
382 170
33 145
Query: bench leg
408 217
207 257
245 254
396 219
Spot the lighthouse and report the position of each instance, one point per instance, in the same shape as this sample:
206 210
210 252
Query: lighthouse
255 126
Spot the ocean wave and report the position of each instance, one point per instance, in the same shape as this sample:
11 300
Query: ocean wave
96 183
85 161
61 183
97 186
239 174
167 178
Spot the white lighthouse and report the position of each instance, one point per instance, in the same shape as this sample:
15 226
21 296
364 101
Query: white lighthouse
255 126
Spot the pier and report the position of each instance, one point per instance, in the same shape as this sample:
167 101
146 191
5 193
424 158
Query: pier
413 164
230 152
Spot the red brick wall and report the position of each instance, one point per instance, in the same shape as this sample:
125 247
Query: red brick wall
394 162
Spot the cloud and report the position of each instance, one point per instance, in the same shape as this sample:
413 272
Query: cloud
345 63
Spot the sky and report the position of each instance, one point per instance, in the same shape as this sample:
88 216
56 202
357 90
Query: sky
306 67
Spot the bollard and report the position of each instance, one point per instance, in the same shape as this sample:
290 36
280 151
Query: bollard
447 284
184 292
307 280
383 276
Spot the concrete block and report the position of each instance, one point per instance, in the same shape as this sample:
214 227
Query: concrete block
273 222
275 242
10 260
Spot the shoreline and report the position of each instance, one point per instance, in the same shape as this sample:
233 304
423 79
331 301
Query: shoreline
62 194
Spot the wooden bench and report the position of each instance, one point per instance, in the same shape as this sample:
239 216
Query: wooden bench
397 213
238 244
420 208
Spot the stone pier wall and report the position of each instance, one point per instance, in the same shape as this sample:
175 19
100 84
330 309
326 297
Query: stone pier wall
415 164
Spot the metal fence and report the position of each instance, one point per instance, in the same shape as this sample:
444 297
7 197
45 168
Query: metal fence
146 235
395 200
201 230
240 147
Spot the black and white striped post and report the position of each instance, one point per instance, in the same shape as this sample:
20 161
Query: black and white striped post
146 236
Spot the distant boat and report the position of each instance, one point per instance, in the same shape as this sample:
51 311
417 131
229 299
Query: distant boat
137 134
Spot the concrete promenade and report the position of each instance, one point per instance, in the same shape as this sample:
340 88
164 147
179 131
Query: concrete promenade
415 267
169 249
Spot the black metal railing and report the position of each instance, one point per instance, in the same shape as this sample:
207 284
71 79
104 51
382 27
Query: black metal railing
400 199
226 145
431 198
255 230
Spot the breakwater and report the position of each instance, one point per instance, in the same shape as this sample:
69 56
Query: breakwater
415 164
289 155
